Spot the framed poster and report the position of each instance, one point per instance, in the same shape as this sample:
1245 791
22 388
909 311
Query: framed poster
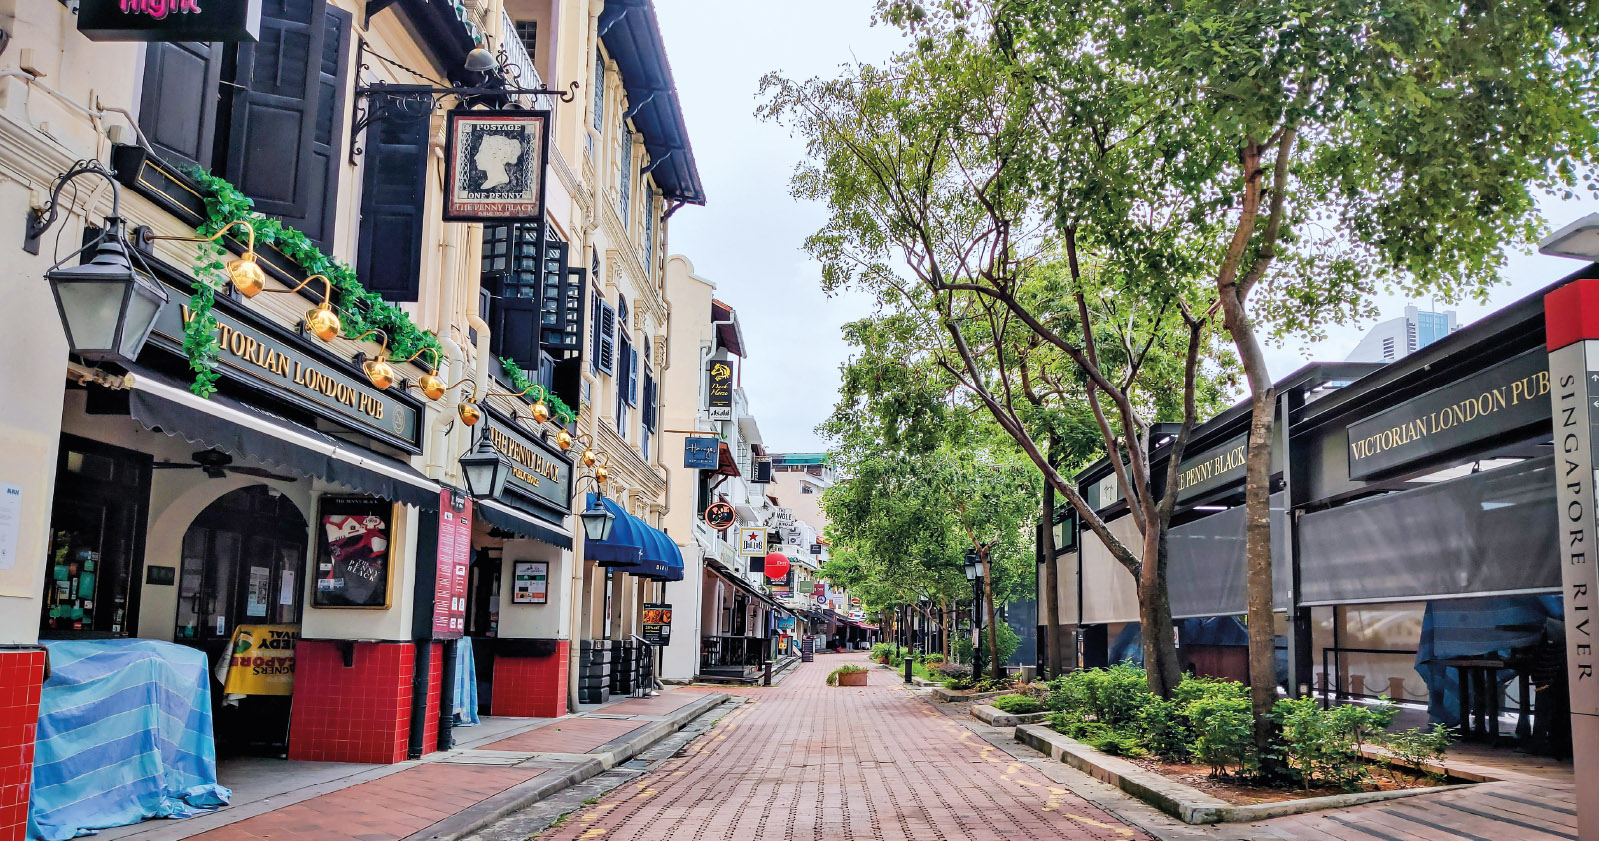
494 165
530 582
752 541
657 623
353 564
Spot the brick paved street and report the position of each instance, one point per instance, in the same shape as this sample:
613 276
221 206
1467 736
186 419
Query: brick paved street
805 761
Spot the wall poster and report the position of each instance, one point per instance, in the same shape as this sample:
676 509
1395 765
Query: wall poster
453 559
353 565
531 582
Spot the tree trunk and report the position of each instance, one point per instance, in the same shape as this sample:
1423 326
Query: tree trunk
1161 668
988 618
1257 552
1054 662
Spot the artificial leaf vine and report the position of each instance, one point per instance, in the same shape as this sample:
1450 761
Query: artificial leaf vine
521 382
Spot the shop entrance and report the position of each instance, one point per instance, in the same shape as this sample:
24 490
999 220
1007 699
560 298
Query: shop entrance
243 562
97 528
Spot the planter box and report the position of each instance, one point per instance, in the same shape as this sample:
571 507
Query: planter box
1186 803
852 679
999 718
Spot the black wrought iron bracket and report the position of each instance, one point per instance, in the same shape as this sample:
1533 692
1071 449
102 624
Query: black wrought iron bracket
39 220
420 101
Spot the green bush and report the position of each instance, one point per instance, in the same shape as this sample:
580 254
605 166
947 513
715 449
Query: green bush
1223 733
1164 729
1363 722
961 648
933 659
1319 746
1416 747
1017 704
1006 639
1113 696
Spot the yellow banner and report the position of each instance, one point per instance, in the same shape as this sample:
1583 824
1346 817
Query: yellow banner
262 662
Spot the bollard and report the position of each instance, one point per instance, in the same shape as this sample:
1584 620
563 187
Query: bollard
908 661
767 679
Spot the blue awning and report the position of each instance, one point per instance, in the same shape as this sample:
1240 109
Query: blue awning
635 547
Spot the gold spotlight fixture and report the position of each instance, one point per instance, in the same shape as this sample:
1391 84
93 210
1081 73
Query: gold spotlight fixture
563 439
321 321
378 370
429 384
600 473
469 413
243 272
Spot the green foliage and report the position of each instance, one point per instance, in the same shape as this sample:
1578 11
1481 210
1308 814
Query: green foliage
978 685
520 382
1112 709
1315 744
885 651
359 309
1007 640
932 659
1164 728
1017 704
1224 736
961 649
1416 747
846 669
1112 696
200 334
1361 722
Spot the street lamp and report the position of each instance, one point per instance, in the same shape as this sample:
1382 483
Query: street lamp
486 469
974 574
597 522
107 305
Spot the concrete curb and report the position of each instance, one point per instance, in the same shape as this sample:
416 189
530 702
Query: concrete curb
997 717
596 762
950 696
1186 803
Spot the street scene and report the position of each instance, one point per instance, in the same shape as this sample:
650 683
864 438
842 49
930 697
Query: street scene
495 420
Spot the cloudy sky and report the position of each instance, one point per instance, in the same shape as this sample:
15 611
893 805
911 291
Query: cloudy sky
747 239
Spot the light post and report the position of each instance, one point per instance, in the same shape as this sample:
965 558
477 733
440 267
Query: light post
974 574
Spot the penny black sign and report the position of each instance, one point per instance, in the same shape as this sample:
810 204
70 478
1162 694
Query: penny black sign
1501 399
1213 468
538 471
170 20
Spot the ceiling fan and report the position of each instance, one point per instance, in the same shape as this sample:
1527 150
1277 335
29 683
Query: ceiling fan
217 464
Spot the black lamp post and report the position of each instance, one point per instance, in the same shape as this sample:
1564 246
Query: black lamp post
974 574
107 306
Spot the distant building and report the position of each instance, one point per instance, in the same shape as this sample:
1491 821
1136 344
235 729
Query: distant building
1402 336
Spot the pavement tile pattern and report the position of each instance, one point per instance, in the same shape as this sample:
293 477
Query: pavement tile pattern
808 761
572 735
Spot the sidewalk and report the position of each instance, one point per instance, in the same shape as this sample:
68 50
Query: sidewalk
495 768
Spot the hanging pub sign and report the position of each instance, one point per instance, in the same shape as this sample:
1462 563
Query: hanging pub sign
720 394
454 557
752 541
494 165
720 515
539 472
816 548
763 471
1497 401
170 20
657 623
701 453
352 552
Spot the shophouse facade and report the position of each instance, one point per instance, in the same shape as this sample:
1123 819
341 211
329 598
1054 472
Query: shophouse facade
320 491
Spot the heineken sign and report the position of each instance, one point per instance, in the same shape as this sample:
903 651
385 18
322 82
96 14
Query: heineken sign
170 20
1504 398
257 358
539 473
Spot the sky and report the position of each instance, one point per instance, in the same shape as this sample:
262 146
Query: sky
748 238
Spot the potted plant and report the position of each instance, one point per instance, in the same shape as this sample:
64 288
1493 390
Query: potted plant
848 675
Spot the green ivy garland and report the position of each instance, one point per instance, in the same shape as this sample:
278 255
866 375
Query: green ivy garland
520 382
360 310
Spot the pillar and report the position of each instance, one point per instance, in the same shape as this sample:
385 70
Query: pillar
352 701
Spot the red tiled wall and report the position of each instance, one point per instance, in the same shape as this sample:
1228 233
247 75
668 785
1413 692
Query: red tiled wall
430 723
21 675
357 714
531 686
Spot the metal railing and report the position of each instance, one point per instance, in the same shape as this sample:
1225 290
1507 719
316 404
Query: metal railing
734 651
1332 689
517 58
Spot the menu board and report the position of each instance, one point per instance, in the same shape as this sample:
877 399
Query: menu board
531 583
454 558
352 558
657 623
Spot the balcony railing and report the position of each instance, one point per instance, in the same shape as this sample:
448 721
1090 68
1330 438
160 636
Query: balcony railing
516 57
735 652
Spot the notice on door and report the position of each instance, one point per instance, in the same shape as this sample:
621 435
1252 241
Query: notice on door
10 522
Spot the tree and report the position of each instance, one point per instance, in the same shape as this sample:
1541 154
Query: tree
1338 148
933 208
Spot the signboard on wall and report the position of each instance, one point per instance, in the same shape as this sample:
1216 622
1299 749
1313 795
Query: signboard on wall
719 394
701 453
752 541
657 623
531 582
353 566
170 20
494 165
454 559
539 472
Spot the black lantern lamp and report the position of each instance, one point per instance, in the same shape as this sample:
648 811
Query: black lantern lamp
597 521
486 469
973 566
108 305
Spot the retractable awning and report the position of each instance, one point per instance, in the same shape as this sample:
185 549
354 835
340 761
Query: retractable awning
505 517
635 547
160 404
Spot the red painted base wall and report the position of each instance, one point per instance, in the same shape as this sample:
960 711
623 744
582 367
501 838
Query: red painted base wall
430 724
21 676
531 686
359 713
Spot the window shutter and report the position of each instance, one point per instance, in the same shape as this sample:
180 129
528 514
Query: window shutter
394 186
599 91
649 234
632 375
605 357
626 190
274 108
178 105
567 336
594 334
322 156
649 400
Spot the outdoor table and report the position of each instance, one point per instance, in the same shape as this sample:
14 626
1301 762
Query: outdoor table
1479 695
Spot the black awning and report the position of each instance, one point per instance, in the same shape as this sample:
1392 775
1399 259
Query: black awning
508 518
161 405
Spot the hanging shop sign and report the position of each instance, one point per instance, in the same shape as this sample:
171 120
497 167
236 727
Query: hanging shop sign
261 661
720 393
1499 400
353 566
720 515
816 549
657 623
530 582
752 541
763 471
170 20
701 453
257 358
454 558
494 165
777 566
539 473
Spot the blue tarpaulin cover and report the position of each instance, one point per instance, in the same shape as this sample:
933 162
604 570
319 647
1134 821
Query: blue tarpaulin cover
465 684
1489 627
124 735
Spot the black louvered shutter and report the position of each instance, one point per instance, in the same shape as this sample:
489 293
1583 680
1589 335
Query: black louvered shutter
605 357
649 400
273 121
178 104
393 190
570 338
322 157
